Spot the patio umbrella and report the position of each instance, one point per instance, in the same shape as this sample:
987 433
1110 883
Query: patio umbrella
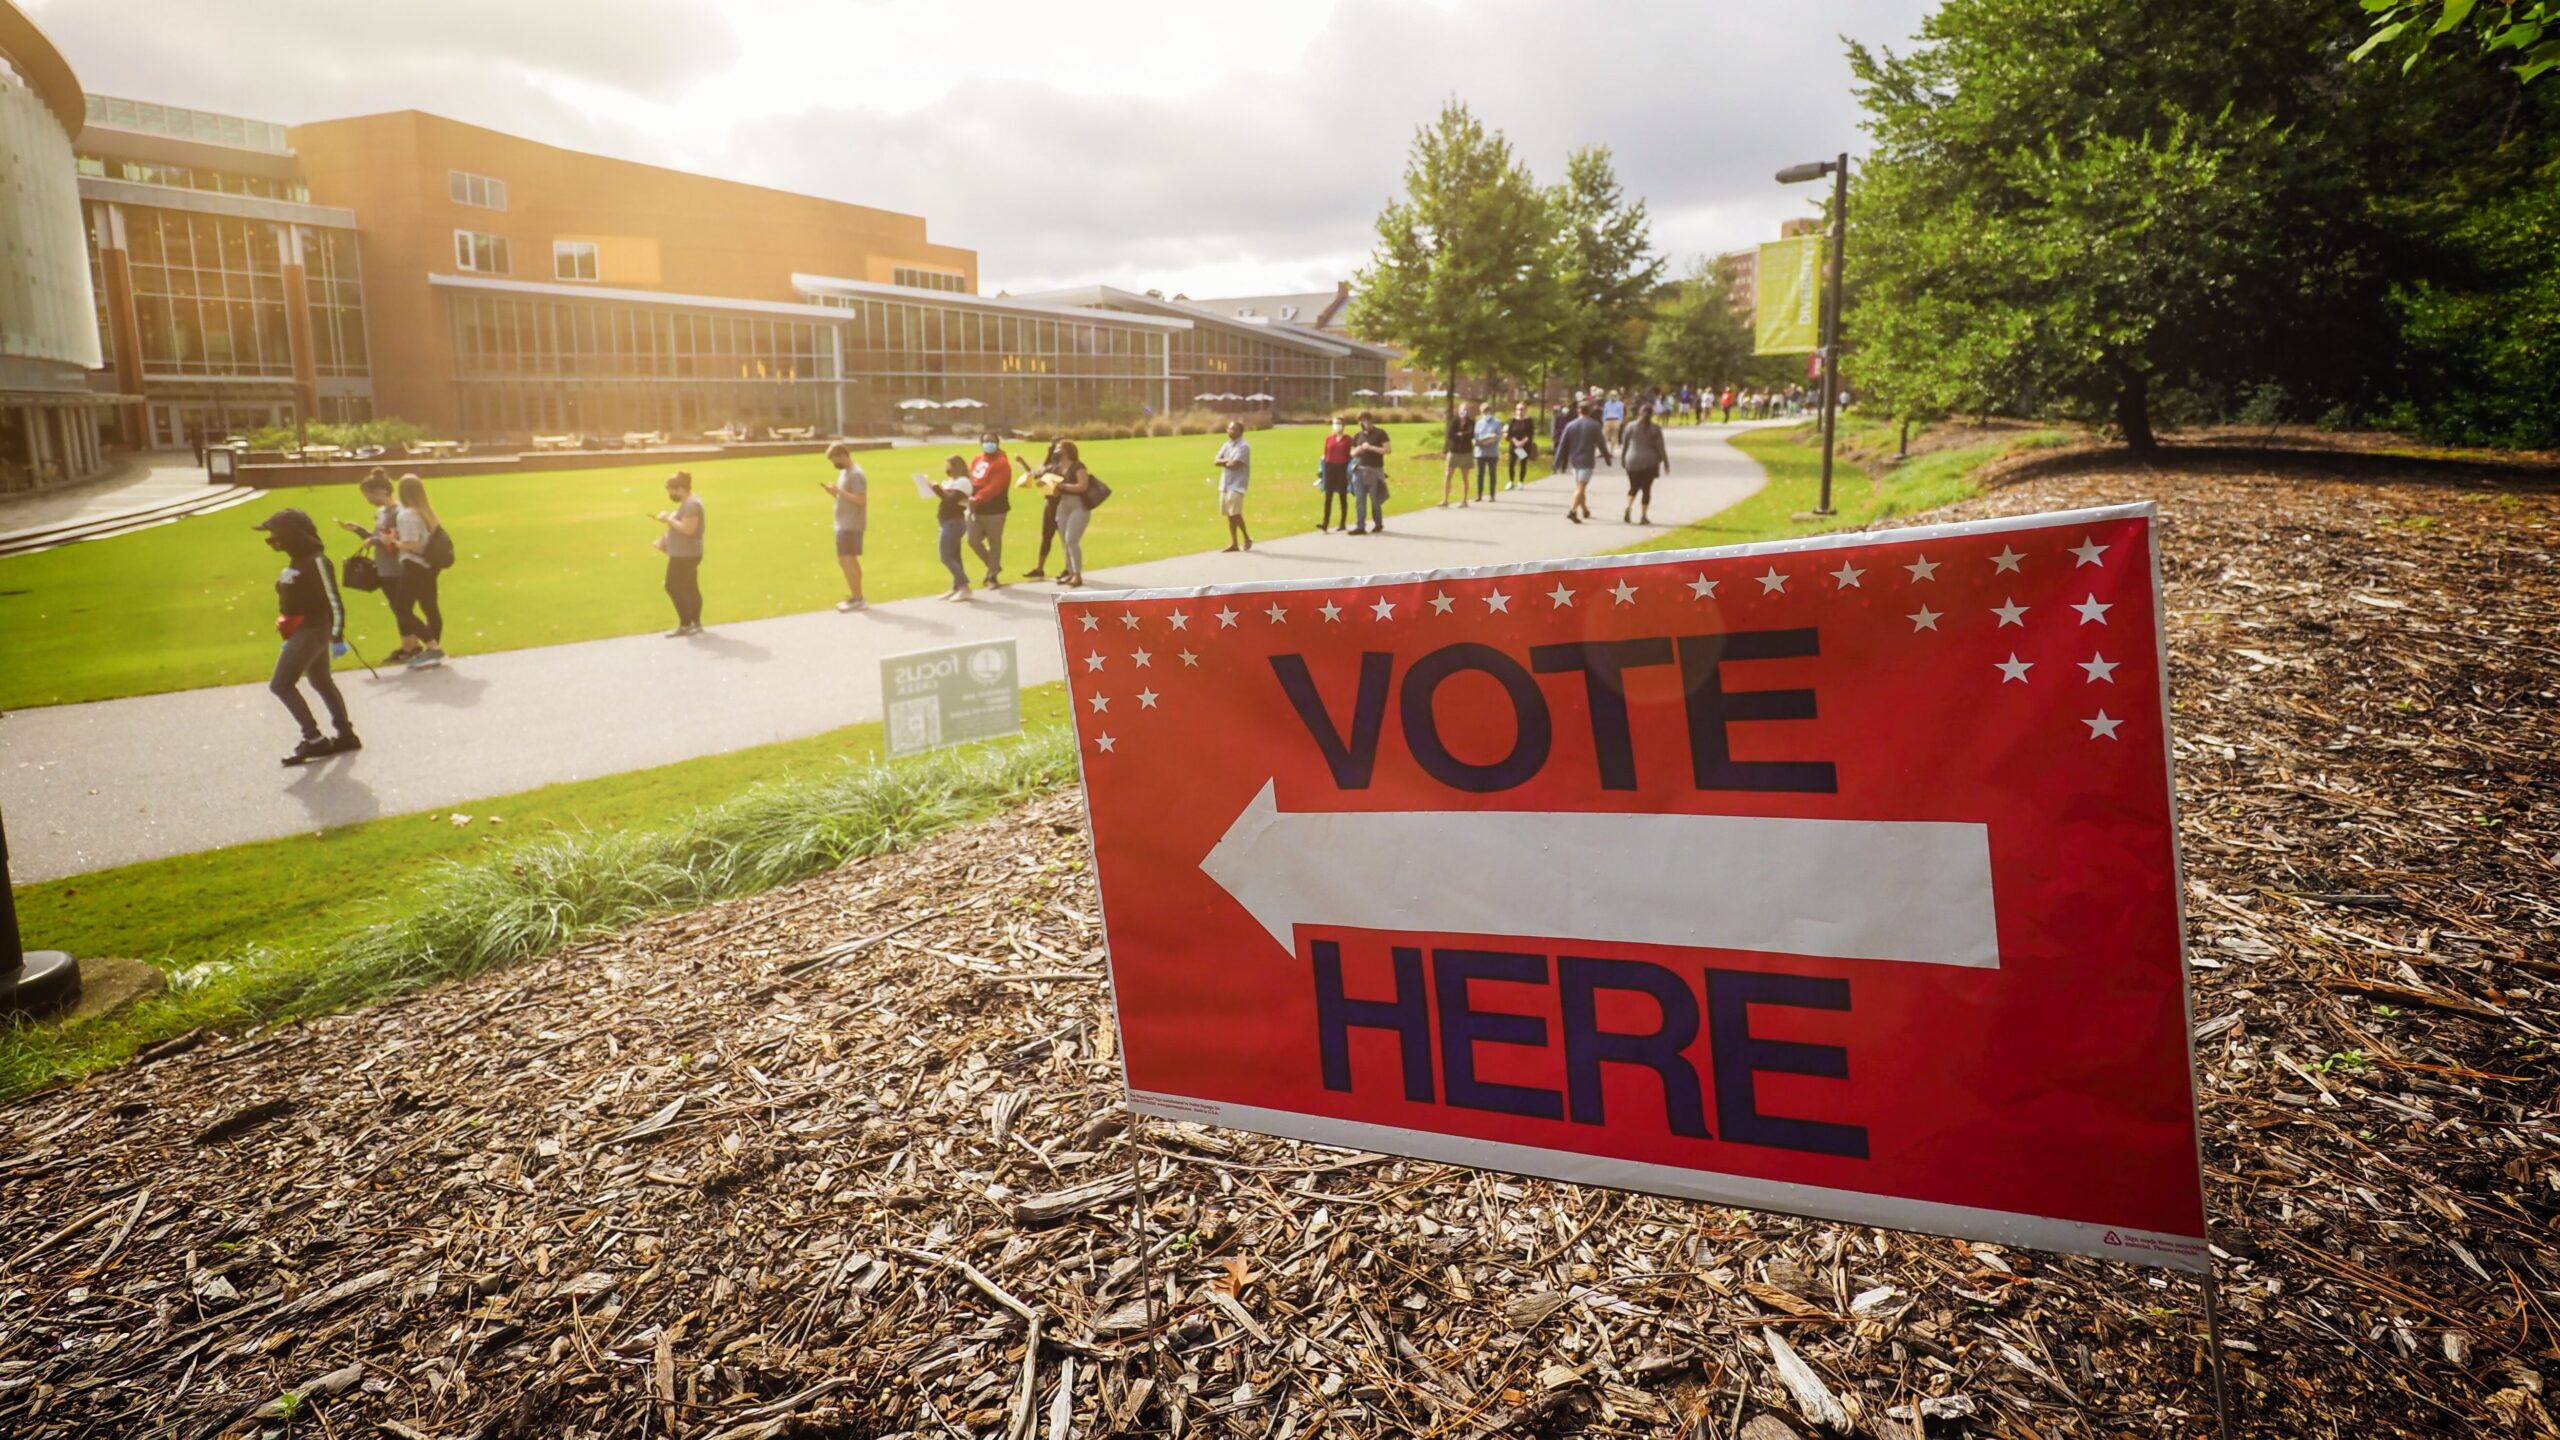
1231 395
1366 394
919 404
1399 393
964 404
1208 397
1435 394
1258 395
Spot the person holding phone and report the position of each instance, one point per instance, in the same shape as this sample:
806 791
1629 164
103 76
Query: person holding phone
1074 489
382 538
682 545
851 491
951 513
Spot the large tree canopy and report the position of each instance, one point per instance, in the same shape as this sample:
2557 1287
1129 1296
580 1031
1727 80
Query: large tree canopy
1610 273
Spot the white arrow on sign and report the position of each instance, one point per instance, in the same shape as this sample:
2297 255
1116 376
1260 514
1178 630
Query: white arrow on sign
1909 890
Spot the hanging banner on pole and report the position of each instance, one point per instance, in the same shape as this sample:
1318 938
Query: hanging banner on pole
1832 876
1787 297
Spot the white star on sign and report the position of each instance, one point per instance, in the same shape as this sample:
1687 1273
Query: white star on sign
1089 621
1702 587
1226 618
1093 662
1846 577
1625 592
2099 668
1278 615
1385 609
2102 728
2006 562
1129 621
2013 668
2088 550
1330 611
1180 620
1922 568
2090 610
1773 581
1190 659
1497 601
1143 658
1559 597
1103 743
1146 699
1926 619
1101 703
2009 612
1441 602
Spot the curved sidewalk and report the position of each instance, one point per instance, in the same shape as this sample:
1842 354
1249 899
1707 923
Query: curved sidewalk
85 787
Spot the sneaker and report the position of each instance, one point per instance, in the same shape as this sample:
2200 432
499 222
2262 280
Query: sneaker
963 593
427 659
991 583
345 741
405 657
847 607
677 633
309 750
693 629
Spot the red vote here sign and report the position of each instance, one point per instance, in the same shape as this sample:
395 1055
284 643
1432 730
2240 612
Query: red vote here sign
1835 877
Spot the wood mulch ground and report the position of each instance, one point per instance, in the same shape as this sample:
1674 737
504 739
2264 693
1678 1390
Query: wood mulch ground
847 1159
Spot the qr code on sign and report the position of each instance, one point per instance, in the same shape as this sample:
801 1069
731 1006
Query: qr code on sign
915 724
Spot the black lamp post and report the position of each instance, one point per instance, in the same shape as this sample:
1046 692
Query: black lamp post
32 982
1839 171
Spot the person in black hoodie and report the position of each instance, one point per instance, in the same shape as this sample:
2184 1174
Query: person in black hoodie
312 618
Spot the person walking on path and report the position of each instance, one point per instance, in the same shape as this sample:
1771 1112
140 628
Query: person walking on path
851 491
990 501
1369 450
951 516
1333 473
1728 404
1075 491
1235 475
1613 419
682 544
311 616
1523 436
1488 453
383 539
1645 455
1043 477
1459 455
1579 451
423 557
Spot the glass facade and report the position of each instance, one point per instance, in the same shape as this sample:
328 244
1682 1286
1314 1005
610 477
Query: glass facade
209 296
333 281
916 279
195 177
185 124
528 364
1208 359
1021 367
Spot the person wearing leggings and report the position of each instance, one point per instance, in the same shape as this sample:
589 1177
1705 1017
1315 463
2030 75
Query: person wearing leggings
312 618
1075 511
1521 436
951 516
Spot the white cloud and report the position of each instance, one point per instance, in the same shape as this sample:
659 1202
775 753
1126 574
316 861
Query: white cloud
1199 148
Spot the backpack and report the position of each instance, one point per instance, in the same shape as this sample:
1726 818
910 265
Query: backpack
438 551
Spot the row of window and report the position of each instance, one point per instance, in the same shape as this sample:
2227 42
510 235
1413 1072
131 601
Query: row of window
192 177
186 124
915 278
485 254
469 189
887 328
506 336
210 295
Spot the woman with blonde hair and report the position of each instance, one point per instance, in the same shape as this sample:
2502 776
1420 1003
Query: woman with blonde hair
424 550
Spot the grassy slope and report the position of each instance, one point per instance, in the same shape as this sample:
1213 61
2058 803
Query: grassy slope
546 559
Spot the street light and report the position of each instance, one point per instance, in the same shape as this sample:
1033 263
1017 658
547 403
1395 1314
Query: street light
1838 170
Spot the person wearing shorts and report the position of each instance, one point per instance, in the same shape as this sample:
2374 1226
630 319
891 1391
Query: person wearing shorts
1459 448
851 492
1235 474
1579 451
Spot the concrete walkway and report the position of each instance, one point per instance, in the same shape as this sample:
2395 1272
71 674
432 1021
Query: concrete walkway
142 482
89 786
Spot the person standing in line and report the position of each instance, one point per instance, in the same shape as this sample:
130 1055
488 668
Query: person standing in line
1235 474
1074 489
1333 472
311 617
1488 452
1728 404
1646 454
1613 418
1580 450
951 517
1043 477
421 613
682 544
851 491
1369 450
1458 454
1523 435
990 501
384 540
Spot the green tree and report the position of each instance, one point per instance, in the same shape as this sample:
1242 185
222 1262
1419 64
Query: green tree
1609 276
2483 360
1459 277
1697 333
2528 28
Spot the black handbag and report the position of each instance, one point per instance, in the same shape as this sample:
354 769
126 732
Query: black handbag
357 573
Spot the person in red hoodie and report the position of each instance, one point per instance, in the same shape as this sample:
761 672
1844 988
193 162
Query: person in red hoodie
1334 474
990 500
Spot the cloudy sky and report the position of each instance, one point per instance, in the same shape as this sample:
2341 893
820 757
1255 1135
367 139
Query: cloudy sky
1201 147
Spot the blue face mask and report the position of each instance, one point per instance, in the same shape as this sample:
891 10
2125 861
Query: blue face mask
988 448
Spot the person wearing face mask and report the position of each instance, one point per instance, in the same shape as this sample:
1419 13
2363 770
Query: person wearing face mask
682 545
990 501
1333 472
311 616
1044 478
1522 436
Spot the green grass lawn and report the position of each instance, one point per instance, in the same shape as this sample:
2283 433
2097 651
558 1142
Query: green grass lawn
550 558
